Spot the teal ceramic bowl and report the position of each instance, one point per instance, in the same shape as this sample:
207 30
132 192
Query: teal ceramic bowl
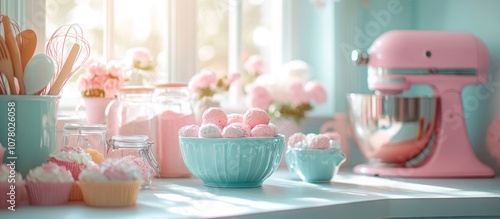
313 165
232 162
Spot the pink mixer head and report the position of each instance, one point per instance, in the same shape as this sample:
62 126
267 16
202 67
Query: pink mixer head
399 53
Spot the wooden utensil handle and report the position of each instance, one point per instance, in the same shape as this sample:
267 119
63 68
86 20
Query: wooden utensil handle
65 72
15 55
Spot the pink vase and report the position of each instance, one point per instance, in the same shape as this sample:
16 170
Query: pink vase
95 108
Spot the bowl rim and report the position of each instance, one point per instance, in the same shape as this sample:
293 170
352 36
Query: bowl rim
314 149
350 95
278 136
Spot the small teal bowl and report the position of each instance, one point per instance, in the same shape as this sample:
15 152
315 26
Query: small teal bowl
314 165
232 162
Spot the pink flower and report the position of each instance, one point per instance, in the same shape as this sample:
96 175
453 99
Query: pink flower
97 68
140 57
316 92
111 87
258 96
115 69
255 65
101 77
204 79
297 93
84 82
97 81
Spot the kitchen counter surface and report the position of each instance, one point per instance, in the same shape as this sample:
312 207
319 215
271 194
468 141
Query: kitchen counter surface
284 196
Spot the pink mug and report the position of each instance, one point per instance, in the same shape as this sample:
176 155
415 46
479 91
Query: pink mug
337 129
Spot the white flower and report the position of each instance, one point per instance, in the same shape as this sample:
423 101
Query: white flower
296 69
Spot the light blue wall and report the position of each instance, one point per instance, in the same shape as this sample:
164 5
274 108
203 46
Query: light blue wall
355 18
312 42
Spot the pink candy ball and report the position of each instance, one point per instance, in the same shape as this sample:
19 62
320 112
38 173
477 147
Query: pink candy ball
209 131
320 142
236 130
262 130
234 118
274 127
189 131
215 116
296 138
256 116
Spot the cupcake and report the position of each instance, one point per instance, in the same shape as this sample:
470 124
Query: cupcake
115 183
75 159
10 196
96 156
49 184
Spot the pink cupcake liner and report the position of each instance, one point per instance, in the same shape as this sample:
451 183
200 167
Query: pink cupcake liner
48 193
4 189
73 167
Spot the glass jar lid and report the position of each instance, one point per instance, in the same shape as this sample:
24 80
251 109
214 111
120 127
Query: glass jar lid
84 127
130 141
135 142
136 89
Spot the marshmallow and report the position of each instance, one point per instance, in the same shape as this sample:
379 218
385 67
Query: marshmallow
320 142
189 131
262 130
296 138
209 131
256 116
234 118
215 116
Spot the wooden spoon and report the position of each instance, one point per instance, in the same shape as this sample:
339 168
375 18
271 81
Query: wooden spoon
27 41
65 72
15 56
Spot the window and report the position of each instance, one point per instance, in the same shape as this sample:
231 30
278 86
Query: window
228 31
112 27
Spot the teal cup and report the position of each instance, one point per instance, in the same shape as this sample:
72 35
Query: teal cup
28 129
314 165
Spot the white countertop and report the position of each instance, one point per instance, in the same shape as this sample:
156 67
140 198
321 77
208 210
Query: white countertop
283 196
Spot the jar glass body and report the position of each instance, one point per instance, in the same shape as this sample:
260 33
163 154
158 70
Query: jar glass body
136 148
174 109
132 113
85 136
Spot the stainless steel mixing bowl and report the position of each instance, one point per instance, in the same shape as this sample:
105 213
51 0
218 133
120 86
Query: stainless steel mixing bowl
391 129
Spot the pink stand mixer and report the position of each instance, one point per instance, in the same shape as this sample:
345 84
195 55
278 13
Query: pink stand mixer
391 129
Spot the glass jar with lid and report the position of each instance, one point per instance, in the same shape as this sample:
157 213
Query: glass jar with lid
137 148
174 109
132 113
85 136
